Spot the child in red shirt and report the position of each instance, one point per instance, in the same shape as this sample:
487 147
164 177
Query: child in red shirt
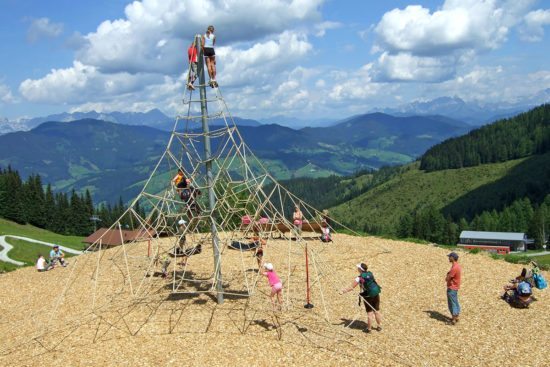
192 55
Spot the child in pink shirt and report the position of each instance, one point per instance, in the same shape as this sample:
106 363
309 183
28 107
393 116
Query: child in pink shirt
275 283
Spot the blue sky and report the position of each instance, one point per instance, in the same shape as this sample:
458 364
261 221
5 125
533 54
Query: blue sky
303 58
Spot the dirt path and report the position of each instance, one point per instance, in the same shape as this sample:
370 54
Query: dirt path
7 247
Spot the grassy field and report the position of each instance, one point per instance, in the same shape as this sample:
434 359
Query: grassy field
384 205
28 251
543 260
10 228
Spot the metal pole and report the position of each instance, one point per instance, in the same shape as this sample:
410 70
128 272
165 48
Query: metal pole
308 304
209 178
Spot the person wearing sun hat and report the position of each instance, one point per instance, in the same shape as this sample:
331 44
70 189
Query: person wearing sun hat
369 296
453 279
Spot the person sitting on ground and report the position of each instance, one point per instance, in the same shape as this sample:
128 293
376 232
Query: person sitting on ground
369 296
525 276
41 264
276 286
208 43
518 293
56 255
192 56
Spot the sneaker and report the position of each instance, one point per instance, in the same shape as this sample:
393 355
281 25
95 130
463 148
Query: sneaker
378 328
190 86
366 330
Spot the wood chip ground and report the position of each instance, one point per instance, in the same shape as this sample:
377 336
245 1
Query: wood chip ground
53 318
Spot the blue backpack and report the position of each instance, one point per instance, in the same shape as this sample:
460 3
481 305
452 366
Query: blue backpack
539 280
524 289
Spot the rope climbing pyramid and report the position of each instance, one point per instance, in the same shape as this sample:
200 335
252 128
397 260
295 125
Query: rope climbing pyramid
221 201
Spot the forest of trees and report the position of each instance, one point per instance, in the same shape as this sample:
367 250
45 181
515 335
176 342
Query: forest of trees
69 214
326 192
520 136
521 216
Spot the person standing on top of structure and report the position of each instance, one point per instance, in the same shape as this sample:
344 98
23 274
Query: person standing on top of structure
453 280
208 42
192 55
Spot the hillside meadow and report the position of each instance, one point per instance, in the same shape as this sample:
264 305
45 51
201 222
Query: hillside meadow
463 191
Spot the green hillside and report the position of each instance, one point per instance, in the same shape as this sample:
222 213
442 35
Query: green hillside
379 210
517 137
8 227
27 251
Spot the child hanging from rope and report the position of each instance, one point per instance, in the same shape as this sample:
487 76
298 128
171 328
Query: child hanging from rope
180 182
259 243
276 286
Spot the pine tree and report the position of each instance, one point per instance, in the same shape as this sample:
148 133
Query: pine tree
49 209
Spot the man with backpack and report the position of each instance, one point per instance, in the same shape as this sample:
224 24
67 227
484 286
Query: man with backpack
370 295
453 279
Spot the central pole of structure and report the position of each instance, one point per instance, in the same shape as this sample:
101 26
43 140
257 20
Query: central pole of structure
209 177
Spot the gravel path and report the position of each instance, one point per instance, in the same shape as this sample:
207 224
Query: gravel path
7 247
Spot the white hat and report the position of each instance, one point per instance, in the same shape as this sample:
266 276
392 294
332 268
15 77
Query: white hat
268 266
182 222
360 267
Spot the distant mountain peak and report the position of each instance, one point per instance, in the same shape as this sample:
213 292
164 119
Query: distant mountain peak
472 112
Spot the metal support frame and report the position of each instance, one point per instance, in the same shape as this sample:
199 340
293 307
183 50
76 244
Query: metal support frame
208 166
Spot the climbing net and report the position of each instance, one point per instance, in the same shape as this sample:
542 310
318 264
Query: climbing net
168 253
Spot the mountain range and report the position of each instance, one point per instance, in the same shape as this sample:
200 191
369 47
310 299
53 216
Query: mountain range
109 158
153 118
473 112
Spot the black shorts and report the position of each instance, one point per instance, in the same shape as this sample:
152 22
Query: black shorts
209 52
182 184
372 301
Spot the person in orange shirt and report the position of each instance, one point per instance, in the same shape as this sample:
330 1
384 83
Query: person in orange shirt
453 285
192 55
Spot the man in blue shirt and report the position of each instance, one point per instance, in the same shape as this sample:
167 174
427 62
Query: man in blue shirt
56 255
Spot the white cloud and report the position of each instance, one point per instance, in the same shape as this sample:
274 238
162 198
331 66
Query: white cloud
347 89
263 60
5 94
460 24
419 45
42 28
81 83
406 67
131 44
140 59
532 30
322 28
494 84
